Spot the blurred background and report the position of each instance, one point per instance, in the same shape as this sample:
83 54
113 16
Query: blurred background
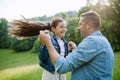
19 58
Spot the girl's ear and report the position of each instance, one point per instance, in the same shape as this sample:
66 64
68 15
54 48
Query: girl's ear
53 29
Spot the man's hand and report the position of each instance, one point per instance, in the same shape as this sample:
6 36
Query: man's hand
44 37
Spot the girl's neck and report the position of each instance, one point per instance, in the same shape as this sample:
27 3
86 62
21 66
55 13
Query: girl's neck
58 38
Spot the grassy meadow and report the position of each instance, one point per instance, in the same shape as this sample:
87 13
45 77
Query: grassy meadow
24 66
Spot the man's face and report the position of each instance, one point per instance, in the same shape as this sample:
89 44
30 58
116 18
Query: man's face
82 27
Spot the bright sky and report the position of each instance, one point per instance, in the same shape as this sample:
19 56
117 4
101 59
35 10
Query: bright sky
12 9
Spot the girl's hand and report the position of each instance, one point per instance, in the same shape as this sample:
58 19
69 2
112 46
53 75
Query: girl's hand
44 37
71 45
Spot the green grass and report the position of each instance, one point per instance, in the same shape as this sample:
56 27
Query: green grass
20 66
24 66
116 72
9 58
30 72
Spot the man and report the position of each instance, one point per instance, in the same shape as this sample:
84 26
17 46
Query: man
93 59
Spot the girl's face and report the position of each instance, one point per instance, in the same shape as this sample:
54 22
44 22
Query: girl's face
60 29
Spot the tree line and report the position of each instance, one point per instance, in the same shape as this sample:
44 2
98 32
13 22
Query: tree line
110 19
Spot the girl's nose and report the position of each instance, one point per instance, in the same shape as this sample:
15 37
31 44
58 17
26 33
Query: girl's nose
65 29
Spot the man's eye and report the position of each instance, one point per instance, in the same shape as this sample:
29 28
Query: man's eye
79 24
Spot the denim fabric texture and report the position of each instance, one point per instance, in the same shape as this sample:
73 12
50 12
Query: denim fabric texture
45 61
93 59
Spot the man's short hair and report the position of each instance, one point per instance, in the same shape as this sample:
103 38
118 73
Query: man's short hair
92 16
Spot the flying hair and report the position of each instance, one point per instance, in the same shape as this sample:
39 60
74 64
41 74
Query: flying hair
25 29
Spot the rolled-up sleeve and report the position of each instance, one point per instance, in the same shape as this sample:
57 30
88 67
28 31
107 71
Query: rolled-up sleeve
85 51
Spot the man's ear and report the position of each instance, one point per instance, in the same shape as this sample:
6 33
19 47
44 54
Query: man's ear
89 25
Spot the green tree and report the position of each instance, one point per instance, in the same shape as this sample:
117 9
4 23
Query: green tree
109 11
115 28
84 9
110 14
71 14
62 14
4 40
36 46
22 45
72 33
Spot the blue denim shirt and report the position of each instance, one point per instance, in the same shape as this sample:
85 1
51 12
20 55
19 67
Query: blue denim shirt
92 60
44 59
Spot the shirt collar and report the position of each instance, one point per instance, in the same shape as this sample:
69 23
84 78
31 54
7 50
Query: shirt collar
96 33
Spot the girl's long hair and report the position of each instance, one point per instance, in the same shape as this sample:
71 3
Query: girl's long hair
25 29
19 28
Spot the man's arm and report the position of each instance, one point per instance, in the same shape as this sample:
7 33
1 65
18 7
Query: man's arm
44 37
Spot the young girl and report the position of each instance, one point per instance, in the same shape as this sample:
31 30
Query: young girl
58 26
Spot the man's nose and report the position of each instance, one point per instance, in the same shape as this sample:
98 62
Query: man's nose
78 28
